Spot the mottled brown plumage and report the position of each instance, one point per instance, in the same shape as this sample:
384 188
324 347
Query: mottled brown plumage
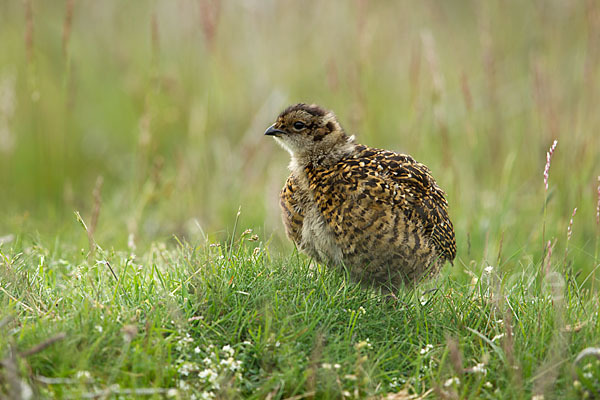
378 213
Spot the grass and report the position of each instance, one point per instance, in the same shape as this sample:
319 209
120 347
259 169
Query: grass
210 320
147 120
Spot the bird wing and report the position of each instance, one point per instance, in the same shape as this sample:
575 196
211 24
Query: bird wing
373 194
292 215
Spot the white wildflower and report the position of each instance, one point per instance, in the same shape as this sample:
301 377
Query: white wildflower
228 350
83 375
326 366
479 369
186 368
183 385
210 376
207 395
488 269
227 362
99 328
426 349
207 374
452 381
197 350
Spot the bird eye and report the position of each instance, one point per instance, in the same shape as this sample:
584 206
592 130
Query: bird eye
299 125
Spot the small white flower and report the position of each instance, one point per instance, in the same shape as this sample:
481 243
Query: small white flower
183 385
207 395
326 366
488 269
209 376
362 310
197 350
488 385
207 373
228 350
227 361
235 365
186 368
426 349
479 369
277 344
172 393
83 375
452 381
336 366
99 328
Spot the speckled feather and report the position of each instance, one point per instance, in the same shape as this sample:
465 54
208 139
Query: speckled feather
378 213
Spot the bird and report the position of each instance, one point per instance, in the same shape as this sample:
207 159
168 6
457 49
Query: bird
377 214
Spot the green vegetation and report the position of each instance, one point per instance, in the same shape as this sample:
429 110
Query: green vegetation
146 120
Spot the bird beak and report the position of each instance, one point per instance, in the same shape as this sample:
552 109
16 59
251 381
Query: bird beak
272 131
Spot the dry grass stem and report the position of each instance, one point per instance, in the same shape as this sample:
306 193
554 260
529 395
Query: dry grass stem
42 346
67 26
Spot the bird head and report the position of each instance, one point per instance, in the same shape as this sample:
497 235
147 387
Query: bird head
309 132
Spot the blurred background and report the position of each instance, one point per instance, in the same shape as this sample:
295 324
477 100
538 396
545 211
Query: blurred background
148 117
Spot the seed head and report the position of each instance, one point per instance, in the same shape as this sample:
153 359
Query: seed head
598 205
548 158
570 228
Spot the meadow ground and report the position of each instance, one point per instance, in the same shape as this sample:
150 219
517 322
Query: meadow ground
131 135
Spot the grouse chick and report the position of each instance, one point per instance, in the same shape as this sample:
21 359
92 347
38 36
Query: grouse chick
377 213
